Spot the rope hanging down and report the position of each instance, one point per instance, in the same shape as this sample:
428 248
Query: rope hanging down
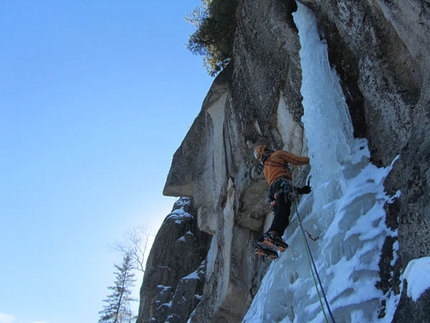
314 269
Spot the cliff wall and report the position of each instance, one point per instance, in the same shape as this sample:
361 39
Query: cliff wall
380 50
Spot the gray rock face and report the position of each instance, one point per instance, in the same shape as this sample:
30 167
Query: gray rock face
175 272
380 50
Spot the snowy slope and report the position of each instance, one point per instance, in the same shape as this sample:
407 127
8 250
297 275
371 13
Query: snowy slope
345 210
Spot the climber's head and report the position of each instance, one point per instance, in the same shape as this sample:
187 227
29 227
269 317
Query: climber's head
259 151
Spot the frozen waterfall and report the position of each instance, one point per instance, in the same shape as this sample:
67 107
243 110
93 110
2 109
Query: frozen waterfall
345 210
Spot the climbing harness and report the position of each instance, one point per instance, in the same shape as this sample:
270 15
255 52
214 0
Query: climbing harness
314 270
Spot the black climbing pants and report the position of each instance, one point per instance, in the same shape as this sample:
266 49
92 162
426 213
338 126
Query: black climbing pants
281 213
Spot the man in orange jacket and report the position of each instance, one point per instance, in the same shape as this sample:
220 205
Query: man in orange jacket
277 173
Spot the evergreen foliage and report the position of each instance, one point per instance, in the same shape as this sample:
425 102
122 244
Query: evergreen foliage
216 23
118 309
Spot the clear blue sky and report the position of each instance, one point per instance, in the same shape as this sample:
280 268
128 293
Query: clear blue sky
95 98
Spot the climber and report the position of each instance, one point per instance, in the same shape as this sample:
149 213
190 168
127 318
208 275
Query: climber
277 173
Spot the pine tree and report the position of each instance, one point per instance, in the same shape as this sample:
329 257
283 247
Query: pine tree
215 21
118 309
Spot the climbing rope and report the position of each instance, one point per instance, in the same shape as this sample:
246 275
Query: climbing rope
314 270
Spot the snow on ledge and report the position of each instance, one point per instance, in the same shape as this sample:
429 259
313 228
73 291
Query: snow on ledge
417 275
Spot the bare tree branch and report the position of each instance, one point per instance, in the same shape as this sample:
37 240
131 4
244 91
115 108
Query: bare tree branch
135 243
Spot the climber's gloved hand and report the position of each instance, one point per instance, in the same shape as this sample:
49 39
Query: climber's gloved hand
304 190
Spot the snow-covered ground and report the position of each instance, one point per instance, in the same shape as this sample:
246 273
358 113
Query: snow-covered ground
345 210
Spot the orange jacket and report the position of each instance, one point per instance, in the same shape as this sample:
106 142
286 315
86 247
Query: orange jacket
276 164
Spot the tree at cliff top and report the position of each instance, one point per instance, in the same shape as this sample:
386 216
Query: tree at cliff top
215 21
117 309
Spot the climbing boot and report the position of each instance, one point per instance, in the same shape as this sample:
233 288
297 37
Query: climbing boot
271 239
263 250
